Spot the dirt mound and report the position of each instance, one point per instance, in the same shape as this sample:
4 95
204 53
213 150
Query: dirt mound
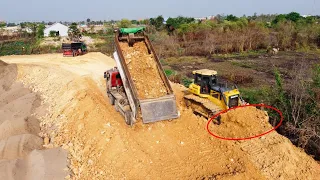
19 132
242 122
2 64
143 70
8 74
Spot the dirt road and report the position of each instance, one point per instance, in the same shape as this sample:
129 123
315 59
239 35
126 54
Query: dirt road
102 146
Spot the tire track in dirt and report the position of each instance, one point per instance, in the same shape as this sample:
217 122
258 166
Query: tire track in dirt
277 158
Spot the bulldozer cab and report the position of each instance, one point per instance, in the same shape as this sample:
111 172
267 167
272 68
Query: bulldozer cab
205 79
206 85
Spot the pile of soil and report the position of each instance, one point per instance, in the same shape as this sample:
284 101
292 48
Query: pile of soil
143 70
18 128
20 144
242 122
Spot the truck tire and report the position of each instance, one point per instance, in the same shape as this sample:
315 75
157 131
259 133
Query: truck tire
111 99
128 117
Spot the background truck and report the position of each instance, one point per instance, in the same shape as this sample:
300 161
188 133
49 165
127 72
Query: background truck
122 88
74 49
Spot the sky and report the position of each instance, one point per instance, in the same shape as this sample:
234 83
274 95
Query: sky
77 10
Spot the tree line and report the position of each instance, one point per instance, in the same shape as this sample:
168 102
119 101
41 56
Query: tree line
228 34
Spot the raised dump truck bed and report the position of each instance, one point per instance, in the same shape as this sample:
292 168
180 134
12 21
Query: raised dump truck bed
146 86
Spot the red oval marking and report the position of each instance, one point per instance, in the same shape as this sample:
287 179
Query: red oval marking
251 137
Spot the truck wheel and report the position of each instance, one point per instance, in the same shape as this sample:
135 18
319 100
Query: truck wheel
128 117
111 99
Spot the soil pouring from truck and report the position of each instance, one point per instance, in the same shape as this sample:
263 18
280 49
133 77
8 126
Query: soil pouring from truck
124 90
74 49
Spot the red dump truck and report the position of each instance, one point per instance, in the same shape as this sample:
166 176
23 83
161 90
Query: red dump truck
74 49
122 90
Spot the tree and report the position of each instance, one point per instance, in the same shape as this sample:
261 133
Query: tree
279 18
219 18
52 33
88 20
293 16
23 25
159 22
124 23
33 27
176 22
73 31
2 24
11 24
254 17
231 18
40 31
152 21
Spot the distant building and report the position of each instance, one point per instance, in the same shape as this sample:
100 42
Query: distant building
61 29
12 29
199 19
165 20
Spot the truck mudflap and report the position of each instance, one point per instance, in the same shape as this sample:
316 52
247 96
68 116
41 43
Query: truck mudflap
163 108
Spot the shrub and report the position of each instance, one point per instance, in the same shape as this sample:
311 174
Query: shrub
52 34
169 72
186 81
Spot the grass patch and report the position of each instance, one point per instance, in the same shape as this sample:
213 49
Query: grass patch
242 64
242 55
17 47
256 96
169 72
106 46
184 59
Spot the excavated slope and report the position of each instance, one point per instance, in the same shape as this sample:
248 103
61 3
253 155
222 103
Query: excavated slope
21 154
102 146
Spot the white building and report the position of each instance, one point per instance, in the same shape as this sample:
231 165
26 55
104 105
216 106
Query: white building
58 27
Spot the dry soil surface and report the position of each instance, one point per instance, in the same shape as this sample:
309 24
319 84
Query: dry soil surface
102 146
143 70
242 122
22 155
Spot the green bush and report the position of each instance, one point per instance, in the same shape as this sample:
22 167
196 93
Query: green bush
40 31
16 48
255 96
169 72
52 34
186 81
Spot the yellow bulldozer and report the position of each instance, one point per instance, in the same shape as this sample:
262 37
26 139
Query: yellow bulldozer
206 96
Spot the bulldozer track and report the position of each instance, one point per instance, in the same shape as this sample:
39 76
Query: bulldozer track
201 105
